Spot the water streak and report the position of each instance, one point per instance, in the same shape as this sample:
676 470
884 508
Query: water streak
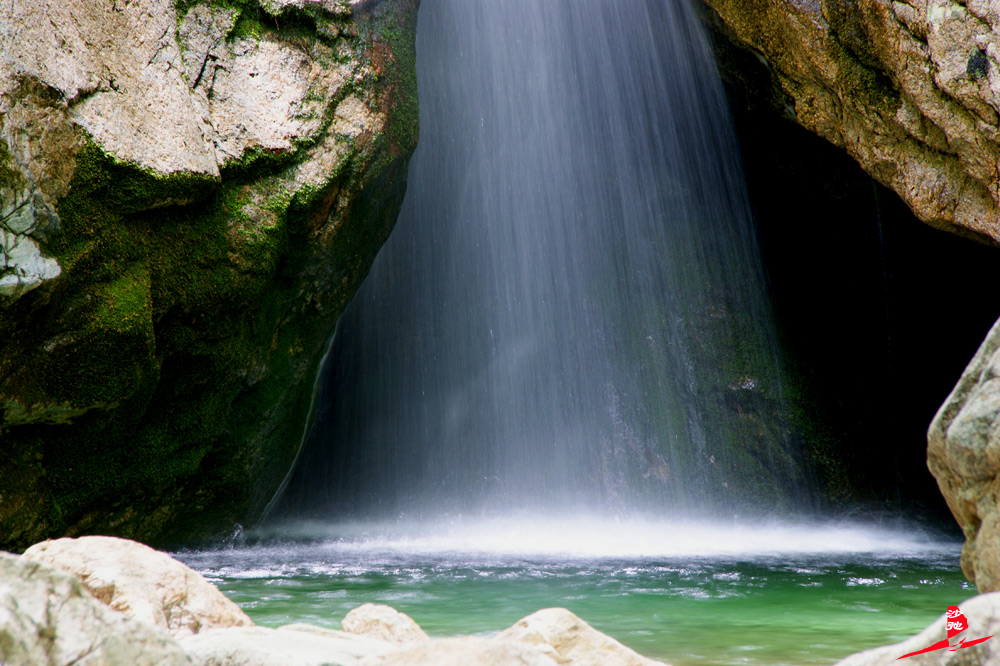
571 312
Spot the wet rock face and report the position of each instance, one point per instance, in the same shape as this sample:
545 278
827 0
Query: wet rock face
910 89
190 193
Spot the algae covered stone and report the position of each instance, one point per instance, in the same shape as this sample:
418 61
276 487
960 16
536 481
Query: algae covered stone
206 185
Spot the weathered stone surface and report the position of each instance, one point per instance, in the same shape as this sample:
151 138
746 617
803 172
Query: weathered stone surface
289 646
983 614
963 454
190 193
383 623
569 640
465 651
47 618
142 583
910 89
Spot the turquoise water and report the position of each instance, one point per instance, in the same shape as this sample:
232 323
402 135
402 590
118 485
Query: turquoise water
689 595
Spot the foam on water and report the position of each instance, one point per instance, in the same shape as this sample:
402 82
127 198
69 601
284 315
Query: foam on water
589 538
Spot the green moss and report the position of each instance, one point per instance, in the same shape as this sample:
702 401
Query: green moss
126 187
125 304
392 52
10 175
859 59
256 161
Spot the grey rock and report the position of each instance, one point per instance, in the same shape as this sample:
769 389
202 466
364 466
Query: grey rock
963 454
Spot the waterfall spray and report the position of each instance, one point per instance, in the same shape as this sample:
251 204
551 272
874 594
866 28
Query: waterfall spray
571 312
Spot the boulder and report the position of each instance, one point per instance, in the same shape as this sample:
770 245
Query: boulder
983 614
48 618
294 645
465 651
569 640
190 194
142 583
963 454
383 623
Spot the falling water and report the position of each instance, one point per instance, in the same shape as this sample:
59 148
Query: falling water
571 312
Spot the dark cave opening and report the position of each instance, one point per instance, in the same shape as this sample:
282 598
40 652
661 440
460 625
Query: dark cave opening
879 313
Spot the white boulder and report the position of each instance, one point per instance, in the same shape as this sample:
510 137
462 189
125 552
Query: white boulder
294 645
569 640
142 583
384 623
464 651
48 618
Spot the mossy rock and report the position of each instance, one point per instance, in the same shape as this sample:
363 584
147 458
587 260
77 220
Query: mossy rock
159 387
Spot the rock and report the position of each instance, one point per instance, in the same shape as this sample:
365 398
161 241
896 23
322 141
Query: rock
190 194
983 614
142 583
909 89
963 454
569 640
294 645
465 651
48 618
383 623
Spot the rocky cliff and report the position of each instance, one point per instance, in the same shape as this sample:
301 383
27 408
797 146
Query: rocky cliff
909 88
190 192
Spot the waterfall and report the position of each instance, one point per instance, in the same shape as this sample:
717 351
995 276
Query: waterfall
571 313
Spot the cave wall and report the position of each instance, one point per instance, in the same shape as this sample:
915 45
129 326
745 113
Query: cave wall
879 313
910 90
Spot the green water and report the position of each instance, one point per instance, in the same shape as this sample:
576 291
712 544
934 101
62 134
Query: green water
797 601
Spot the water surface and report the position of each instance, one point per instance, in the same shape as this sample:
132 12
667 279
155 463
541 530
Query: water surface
681 592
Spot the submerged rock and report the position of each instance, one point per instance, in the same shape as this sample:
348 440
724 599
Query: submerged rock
963 453
190 193
142 583
48 618
569 640
908 89
983 614
384 623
